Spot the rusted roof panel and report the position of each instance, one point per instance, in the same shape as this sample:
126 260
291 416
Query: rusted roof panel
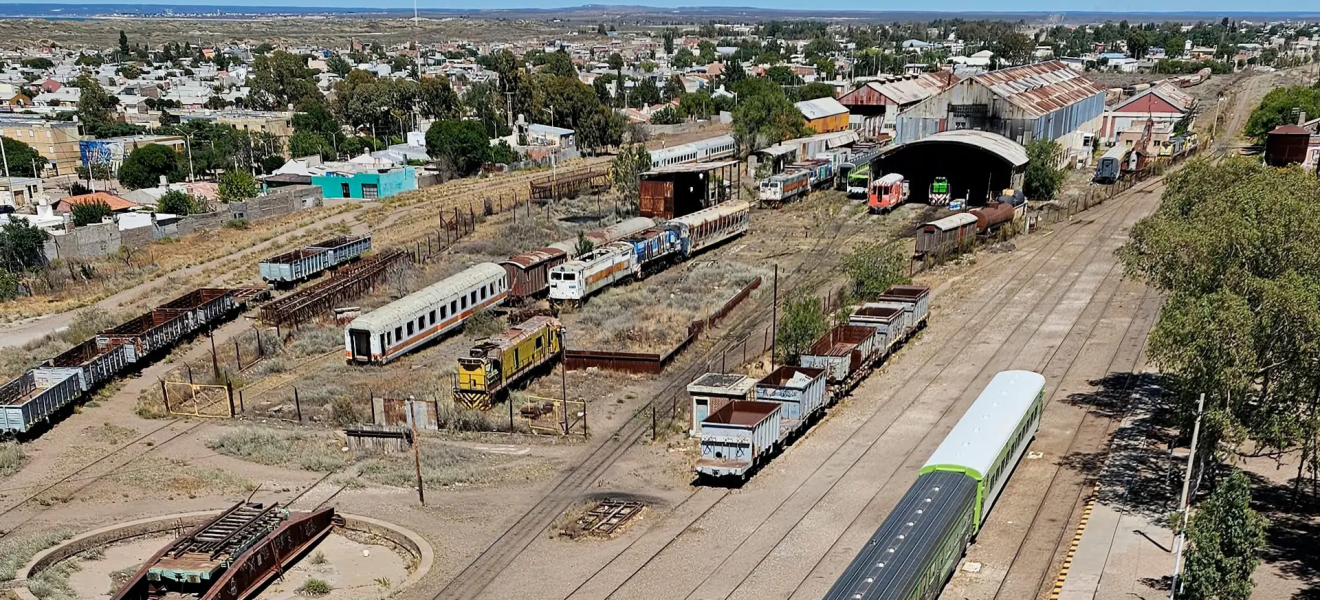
1041 88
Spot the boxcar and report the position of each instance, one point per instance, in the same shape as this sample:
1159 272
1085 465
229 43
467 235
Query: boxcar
492 365
36 395
916 549
949 233
95 364
801 391
738 437
710 226
592 272
915 300
529 272
399 327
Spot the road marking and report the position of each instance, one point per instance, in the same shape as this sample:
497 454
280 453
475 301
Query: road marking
1072 549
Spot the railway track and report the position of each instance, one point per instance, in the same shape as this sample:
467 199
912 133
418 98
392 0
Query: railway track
68 486
762 526
483 570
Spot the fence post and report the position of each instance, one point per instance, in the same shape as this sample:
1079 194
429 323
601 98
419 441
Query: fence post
165 394
241 408
297 404
435 406
238 358
509 401
652 421
371 401
229 390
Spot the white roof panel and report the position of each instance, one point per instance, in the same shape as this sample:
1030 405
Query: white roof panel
976 441
404 308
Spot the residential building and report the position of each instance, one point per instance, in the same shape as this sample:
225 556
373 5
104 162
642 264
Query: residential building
116 203
367 179
57 141
20 191
546 135
824 115
1046 100
113 151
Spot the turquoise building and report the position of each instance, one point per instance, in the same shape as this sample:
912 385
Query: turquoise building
365 182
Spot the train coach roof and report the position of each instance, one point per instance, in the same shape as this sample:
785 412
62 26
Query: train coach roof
395 313
890 179
953 222
708 214
976 441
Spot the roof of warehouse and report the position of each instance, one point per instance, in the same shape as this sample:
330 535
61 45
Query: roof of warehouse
999 145
691 167
979 437
1041 88
820 108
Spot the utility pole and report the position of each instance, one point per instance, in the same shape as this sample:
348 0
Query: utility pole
5 157
774 320
1187 482
417 449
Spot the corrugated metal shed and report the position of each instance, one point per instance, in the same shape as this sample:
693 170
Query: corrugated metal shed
820 108
999 145
899 90
1041 88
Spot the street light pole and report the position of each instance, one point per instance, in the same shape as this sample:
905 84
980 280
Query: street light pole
187 140
1187 482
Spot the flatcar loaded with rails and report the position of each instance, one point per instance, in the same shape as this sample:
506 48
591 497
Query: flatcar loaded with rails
915 551
491 366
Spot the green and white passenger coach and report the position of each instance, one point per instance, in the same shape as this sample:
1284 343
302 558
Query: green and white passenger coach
915 551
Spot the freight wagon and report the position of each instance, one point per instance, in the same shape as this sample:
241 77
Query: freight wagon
845 353
917 547
801 391
202 307
948 234
783 187
94 364
993 216
887 193
915 300
738 437
35 396
156 330
402 326
600 237
889 320
710 226
529 272
494 364
304 263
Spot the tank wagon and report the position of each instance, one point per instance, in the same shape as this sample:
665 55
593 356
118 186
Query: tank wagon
302 264
495 364
399 327
42 393
916 549
735 442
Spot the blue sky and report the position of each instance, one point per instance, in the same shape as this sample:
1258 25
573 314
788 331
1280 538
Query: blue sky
1210 6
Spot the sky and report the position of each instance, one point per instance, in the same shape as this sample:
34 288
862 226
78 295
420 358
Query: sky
1048 6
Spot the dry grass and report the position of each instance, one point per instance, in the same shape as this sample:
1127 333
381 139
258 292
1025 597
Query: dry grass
12 458
180 477
275 448
110 434
52 583
443 465
14 360
120 578
653 315
16 551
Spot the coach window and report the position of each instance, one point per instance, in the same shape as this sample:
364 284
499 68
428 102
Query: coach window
444 313
432 317
483 292
398 333
473 295
463 301
410 329
453 307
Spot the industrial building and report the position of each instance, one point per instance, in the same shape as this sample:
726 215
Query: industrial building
1163 103
1046 100
876 103
977 164
824 115
677 190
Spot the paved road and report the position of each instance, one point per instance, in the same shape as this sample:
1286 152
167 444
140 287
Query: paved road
1058 305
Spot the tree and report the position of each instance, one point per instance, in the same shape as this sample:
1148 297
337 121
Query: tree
783 75
1137 43
674 88
816 89
129 72
95 105
669 42
559 63
463 143
1279 107
237 185
437 99
21 245
87 213
1225 537
1043 177
144 166
764 116
644 94
338 65
802 321
682 59
1016 48
176 202
503 153
666 116
123 43
38 63
706 52
307 143
1233 247
281 79
697 105
874 267
627 169
24 160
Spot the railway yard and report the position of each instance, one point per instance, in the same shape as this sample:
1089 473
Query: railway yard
576 484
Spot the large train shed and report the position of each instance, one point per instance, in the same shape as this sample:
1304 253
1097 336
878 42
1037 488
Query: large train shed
678 190
977 164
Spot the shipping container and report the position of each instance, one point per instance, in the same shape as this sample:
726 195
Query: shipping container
146 334
94 363
738 437
842 351
36 395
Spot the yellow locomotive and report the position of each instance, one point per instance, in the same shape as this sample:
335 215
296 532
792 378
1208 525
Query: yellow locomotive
492 365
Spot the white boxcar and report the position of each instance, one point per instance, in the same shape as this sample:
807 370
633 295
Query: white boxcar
401 326
592 272
889 320
736 438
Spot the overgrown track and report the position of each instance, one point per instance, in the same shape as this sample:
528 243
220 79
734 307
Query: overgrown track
493 560
787 516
